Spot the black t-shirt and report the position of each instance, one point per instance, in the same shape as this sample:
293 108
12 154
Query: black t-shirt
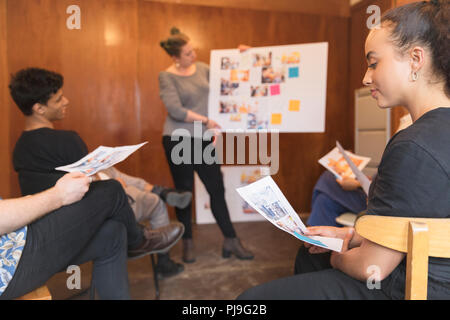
38 152
413 180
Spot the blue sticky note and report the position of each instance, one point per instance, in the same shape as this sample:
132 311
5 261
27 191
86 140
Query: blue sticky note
293 72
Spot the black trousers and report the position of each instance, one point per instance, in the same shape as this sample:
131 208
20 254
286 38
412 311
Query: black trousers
314 280
210 175
99 228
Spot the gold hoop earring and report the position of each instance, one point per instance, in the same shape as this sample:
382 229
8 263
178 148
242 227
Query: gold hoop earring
415 76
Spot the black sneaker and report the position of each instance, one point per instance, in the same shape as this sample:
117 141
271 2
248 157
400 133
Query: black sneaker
169 269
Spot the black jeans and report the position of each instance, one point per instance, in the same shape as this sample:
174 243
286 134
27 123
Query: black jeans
211 176
314 280
99 228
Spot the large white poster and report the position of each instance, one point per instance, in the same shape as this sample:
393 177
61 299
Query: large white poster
233 177
280 87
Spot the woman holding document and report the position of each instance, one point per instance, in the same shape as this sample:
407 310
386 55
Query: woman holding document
409 65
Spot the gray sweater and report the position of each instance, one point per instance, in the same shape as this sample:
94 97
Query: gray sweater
182 93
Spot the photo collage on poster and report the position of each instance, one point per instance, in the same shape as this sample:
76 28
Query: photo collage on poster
278 87
250 85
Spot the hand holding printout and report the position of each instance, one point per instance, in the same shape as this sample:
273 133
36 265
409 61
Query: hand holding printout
365 182
100 159
334 162
268 200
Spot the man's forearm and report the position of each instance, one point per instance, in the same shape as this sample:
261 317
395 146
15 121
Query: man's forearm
19 212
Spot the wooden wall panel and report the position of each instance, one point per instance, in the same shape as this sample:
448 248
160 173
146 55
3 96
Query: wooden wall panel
111 69
5 163
98 63
399 3
323 7
220 28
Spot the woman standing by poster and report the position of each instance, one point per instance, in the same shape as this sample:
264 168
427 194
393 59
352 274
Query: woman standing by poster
184 90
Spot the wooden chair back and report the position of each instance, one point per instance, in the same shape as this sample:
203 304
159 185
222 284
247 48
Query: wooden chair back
419 238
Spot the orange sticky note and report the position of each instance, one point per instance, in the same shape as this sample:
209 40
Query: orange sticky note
234 76
294 105
276 118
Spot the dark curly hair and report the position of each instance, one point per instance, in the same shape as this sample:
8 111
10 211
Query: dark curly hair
33 85
426 23
175 42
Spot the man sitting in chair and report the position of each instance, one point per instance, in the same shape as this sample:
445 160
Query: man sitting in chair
71 223
38 94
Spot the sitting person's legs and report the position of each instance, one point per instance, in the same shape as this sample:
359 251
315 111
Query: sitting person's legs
330 200
306 262
75 233
316 281
173 197
79 230
148 206
108 251
324 210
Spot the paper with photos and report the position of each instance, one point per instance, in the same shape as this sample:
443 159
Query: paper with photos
362 178
335 162
254 89
268 200
100 159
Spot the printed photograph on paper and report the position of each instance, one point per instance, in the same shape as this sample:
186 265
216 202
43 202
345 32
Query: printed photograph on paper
268 200
262 60
271 75
228 88
228 63
335 162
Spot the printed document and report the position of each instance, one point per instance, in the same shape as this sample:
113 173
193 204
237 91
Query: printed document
100 159
362 178
268 200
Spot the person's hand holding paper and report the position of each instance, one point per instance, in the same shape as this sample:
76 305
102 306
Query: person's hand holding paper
348 183
362 178
345 234
268 200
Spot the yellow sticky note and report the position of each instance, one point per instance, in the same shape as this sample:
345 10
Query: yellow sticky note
276 118
294 105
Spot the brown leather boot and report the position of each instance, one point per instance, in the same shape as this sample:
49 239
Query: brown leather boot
188 251
234 246
158 240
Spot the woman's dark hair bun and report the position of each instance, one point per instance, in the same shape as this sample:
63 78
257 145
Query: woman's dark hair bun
175 42
174 31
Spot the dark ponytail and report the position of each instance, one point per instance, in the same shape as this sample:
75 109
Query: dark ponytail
426 23
175 42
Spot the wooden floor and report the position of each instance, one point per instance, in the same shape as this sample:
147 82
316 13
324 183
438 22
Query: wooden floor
211 277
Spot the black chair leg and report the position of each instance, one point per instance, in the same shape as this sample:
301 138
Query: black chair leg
155 275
